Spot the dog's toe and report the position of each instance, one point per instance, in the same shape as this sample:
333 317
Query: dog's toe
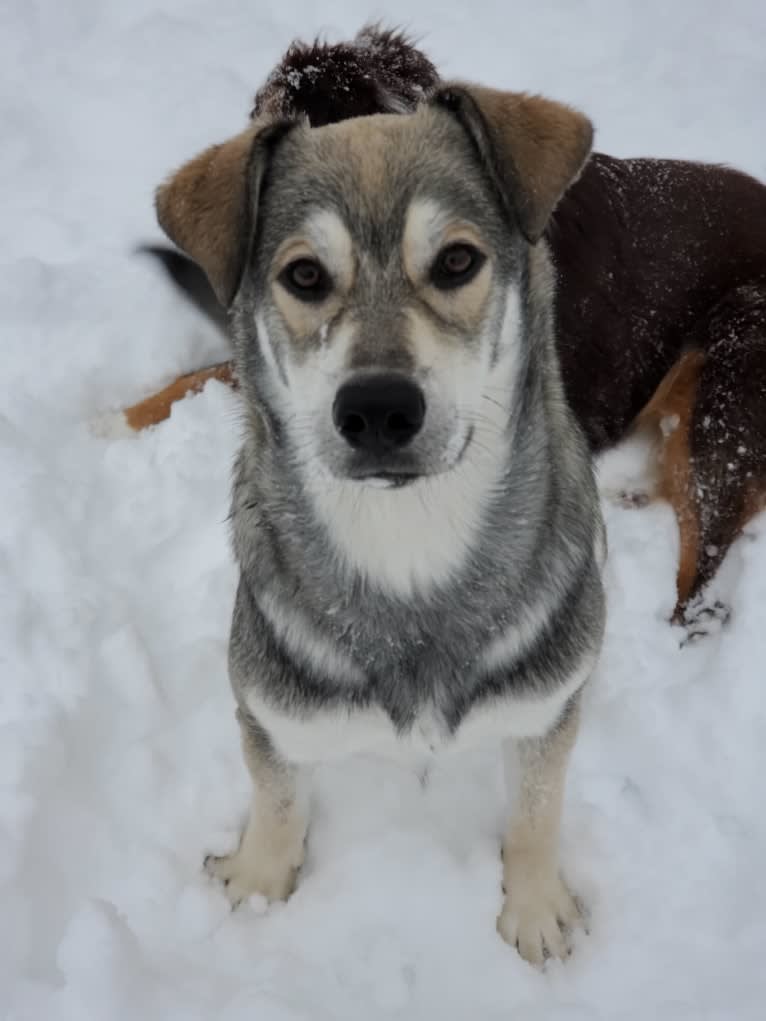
700 619
539 921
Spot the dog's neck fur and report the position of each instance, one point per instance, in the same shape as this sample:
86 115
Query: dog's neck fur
478 559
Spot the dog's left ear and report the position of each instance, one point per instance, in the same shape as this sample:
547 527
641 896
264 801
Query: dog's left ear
532 147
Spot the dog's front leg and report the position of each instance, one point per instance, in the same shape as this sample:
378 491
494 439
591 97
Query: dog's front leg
538 910
271 850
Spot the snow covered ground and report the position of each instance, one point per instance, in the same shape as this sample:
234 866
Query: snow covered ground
119 760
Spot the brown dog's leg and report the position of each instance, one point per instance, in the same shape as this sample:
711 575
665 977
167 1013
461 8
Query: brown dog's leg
710 414
670 413
157 407
728 428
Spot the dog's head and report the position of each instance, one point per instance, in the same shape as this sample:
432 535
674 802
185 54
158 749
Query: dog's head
375 269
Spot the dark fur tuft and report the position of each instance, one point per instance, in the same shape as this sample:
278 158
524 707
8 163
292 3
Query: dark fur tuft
379 71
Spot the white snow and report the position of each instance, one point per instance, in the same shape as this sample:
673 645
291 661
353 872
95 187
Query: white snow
119 754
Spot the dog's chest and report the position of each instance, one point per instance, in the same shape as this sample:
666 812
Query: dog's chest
322 734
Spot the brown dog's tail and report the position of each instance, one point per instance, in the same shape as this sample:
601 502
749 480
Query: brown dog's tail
157 408
193 284
191 281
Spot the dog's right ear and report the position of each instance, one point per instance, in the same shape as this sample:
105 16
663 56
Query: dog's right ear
208 206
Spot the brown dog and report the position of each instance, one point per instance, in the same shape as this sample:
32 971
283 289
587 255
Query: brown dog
661 303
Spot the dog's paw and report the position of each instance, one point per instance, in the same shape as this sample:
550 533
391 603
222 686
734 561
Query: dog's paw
538 916
700 619
244 874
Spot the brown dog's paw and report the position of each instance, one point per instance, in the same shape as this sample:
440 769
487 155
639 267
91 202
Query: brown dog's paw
700 619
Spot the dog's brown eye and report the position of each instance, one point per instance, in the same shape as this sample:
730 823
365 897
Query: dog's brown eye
305 273
306 279
456 265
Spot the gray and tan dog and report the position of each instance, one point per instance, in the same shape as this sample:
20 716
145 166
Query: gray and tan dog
414 513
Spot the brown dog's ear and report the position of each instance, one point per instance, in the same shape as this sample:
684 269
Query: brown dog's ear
208 206
533 148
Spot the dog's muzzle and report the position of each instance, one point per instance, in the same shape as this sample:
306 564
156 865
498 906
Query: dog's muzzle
379 415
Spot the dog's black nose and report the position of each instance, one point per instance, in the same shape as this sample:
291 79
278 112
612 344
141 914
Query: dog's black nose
379 414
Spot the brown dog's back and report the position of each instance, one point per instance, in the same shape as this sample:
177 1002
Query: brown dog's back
662 326
644 250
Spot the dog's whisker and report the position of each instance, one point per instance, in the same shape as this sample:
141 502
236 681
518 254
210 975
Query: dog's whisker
502 407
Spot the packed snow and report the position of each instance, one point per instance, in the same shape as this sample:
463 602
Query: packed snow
120 759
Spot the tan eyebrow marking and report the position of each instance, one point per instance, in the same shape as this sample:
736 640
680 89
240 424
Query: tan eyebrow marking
428 228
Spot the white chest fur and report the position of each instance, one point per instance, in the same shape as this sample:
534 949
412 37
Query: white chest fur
322 735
